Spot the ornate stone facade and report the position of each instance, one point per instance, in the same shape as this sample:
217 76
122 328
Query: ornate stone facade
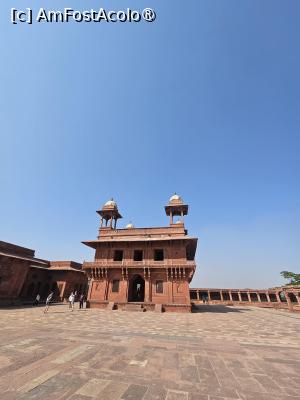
142 268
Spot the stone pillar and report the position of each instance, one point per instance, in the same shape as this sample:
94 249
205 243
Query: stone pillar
198 298
289 303
298 297
172 290
249 297
62 292
150 289
268 297
147 290
127 286
221 294
106 289
278 297
230 295
90 286
258 297
240 297
208 295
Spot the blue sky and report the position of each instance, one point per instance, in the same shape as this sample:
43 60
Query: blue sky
204 102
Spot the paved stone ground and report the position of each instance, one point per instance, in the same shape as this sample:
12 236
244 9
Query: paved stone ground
218 353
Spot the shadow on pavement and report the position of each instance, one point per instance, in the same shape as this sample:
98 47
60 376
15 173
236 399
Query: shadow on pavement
28 305
216 308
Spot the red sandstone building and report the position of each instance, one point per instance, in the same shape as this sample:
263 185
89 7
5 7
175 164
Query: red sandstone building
15 264
142 268
134 268
23 276
60 277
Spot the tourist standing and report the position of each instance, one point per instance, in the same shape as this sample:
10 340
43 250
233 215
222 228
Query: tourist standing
81 300
71 301
37 300
48 300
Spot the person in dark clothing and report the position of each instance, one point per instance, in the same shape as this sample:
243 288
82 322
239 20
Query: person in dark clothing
37 300
81 300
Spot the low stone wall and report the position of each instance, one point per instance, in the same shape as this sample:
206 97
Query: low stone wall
138 306
184 308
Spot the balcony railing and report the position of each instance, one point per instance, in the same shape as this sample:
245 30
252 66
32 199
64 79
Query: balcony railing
139 264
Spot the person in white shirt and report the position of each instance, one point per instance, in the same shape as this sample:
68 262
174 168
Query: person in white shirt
71 301
49 298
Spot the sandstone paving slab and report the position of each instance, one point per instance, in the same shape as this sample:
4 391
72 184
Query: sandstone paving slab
134 392
156 392
93 387
177 395
113 391
197 396
96 354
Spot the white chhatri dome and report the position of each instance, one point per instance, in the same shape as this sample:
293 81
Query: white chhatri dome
130 225
175 197
111 203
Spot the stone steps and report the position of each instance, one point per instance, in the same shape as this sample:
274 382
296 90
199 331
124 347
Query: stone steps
133 307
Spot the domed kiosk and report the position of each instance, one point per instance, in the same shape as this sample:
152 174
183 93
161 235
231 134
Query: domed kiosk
109 215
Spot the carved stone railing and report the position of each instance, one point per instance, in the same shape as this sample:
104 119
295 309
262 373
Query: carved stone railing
139 264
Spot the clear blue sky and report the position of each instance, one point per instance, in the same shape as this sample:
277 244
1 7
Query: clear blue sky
204 102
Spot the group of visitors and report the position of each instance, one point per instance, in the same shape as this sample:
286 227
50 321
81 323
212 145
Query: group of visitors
71 299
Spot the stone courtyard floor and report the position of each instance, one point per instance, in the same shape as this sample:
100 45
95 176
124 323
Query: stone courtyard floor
218 353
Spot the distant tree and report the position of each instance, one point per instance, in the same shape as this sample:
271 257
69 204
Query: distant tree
294 278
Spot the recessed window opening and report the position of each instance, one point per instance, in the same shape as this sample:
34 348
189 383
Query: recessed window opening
138 255
118 255
158 255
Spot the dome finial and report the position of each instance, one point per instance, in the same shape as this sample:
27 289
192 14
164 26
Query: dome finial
175 197
111 203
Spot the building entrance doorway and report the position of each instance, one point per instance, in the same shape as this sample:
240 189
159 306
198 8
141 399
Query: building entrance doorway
137 289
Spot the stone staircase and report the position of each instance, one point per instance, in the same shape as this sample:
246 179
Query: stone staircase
134 307
158 308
